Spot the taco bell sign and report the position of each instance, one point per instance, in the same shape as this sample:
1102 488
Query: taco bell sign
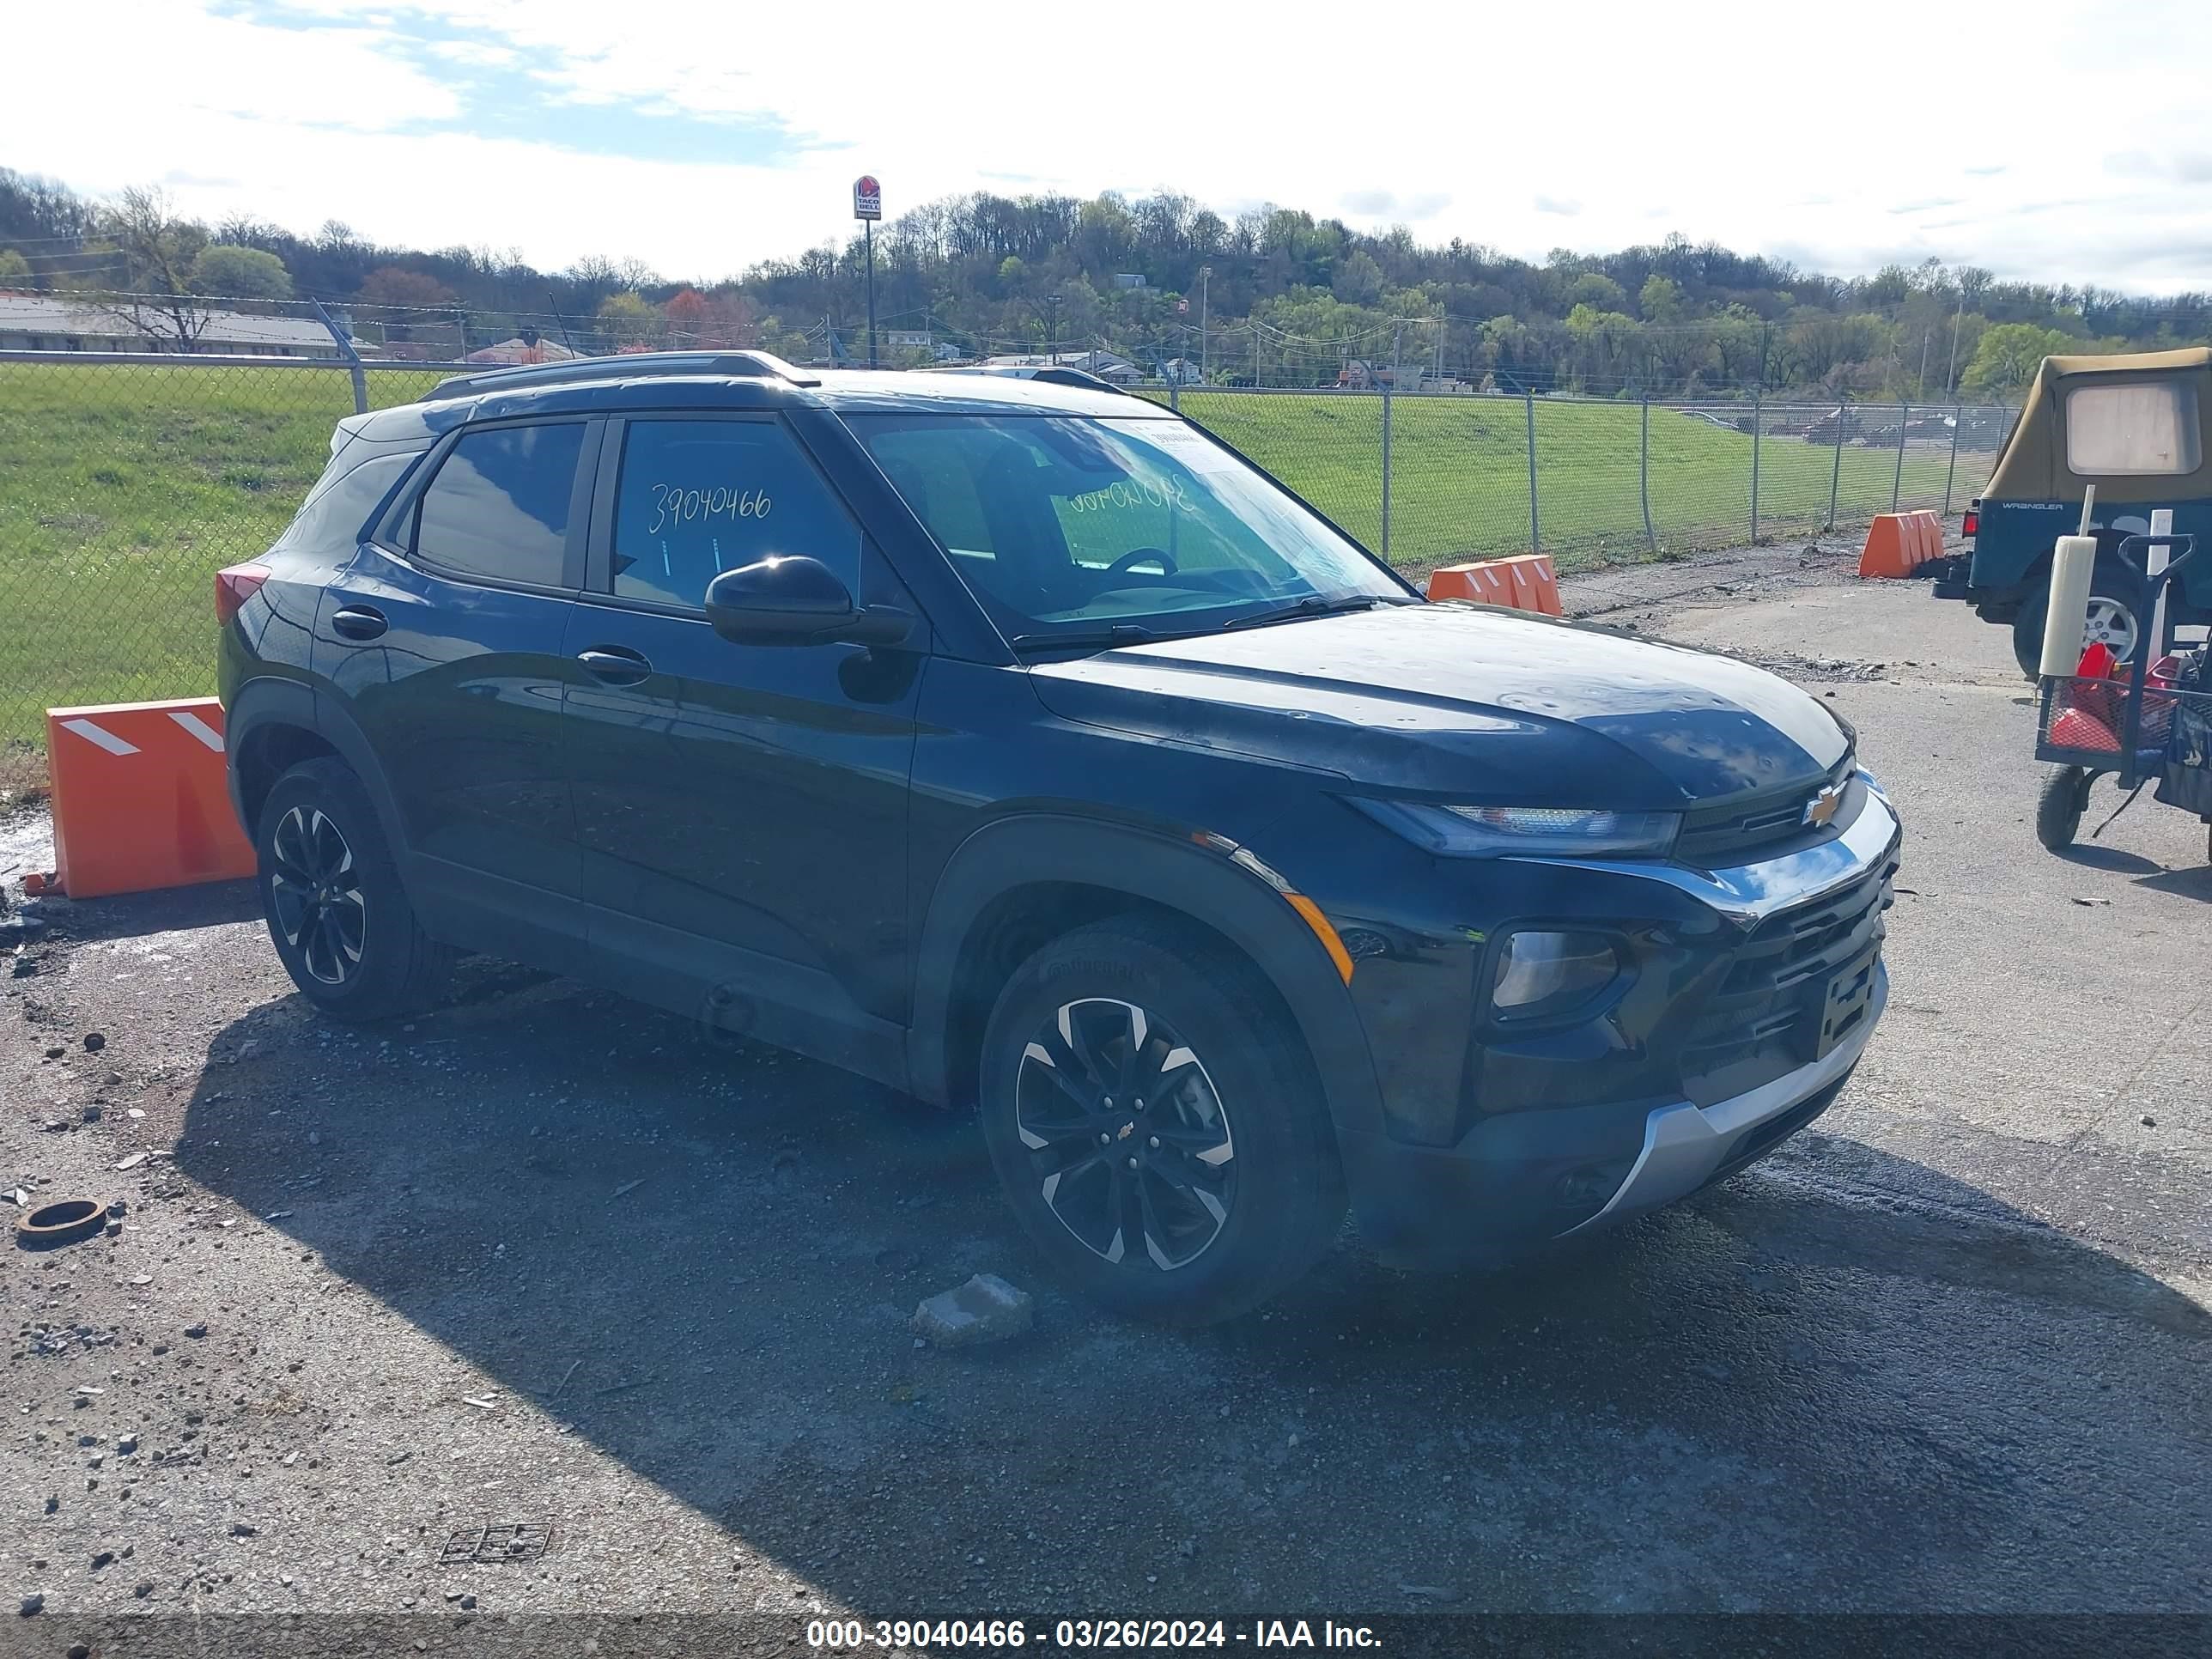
867 198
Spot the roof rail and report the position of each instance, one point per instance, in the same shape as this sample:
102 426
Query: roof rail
1051 374
750 365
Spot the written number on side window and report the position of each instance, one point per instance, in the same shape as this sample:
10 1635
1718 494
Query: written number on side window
673 504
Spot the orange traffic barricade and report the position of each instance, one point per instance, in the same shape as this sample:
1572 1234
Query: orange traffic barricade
1524 582
1893 546
140 800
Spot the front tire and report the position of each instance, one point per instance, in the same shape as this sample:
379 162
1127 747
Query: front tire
336 911
1153 1118
2117 617
2058 810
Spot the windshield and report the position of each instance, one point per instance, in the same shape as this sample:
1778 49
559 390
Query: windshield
1067 527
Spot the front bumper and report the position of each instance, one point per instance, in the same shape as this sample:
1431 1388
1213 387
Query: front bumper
1520 1177
1686 1147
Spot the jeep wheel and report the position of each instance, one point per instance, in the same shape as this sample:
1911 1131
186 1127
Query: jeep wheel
336 913
1148 1108
2115 617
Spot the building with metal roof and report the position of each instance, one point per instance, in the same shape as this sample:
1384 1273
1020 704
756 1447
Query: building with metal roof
48 322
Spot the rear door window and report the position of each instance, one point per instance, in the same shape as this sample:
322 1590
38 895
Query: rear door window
699 497
499 506
2147 428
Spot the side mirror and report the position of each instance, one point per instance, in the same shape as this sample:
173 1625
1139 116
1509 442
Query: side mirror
793 600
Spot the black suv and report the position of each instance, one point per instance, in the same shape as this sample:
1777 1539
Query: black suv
1018 744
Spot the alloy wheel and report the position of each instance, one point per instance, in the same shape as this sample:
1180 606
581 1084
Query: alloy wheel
2111 624
1127 1136
314 891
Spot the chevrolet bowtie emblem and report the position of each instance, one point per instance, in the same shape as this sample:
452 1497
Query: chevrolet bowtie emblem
1822 807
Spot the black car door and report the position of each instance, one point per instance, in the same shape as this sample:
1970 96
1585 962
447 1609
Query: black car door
444 640
742 809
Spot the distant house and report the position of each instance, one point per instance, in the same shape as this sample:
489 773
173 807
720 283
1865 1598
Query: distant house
47 322
1130 282
519 349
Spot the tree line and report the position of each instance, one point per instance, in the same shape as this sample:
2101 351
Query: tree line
1276 296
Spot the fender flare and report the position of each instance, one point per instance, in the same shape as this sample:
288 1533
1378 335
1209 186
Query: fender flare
267 701
1159 870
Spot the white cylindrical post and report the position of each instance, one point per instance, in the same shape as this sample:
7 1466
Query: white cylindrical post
2159 557
2071 567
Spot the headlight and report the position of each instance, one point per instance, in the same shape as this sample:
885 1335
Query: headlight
1542 974
1493 832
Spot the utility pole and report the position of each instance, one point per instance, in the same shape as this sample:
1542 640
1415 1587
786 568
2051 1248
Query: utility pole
1052 324
1205 276
1920 386
1959 317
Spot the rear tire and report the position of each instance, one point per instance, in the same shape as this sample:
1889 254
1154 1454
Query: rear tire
1153 1117
336 910
2116 604
2058 811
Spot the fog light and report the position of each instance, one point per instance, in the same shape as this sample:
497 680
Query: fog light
1542 975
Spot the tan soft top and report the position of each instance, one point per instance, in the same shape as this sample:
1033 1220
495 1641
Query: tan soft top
2033 465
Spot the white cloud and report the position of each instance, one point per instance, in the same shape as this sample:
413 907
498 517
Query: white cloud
1503 118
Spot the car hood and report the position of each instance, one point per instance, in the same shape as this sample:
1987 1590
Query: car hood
1461 700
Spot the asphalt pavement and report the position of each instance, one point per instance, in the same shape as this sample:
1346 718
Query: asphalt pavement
544 1261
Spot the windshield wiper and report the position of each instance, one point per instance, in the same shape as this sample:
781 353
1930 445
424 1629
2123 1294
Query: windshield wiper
1093 638
1312 605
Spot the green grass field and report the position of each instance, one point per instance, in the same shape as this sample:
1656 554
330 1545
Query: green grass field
122 491
124 488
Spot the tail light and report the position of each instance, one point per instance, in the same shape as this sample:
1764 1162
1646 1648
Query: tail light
1972 521
234 586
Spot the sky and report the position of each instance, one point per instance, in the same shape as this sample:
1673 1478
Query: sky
2061 142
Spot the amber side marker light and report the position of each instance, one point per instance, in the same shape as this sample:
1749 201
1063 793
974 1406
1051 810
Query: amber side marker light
1309 912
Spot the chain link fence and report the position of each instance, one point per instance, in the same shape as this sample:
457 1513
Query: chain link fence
124 485
1427 479
127 481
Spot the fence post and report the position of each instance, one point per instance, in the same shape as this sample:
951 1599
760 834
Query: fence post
344 342
1386 475
1951 473
1175 397
1836 472
1535 535
1897 483
1644 475
1756 423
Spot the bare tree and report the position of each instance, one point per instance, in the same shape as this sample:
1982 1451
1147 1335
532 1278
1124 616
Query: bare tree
156 247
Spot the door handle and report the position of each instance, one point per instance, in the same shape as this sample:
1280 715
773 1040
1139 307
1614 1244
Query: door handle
612 664
358 621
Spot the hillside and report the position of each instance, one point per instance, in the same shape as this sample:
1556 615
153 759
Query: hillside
1273 297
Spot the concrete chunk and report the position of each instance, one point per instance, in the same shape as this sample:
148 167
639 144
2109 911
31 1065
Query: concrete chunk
985 1310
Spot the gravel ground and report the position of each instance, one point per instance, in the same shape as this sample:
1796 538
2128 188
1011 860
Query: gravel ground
549 1261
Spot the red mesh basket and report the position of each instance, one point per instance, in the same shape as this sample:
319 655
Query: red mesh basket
2083 722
